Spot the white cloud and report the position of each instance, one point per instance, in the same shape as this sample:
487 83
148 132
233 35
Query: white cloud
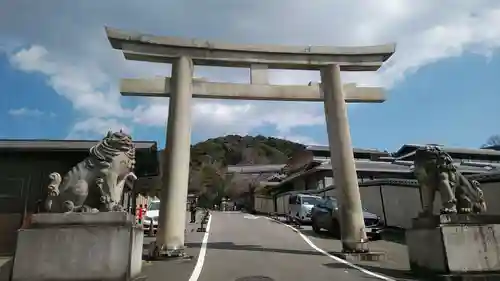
85 85
68 45
242 118
305 140
214 118
24 111
96 128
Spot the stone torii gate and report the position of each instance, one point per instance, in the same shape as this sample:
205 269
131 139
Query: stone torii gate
181 88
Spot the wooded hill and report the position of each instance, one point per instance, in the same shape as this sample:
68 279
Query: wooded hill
210 158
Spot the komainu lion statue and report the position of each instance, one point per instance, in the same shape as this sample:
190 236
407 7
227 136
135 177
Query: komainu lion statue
435 171
97 183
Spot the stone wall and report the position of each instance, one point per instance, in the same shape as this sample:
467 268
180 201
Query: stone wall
492 193
264 204
9 224
397 201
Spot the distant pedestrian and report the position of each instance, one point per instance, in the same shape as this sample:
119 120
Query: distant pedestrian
140 214
192 210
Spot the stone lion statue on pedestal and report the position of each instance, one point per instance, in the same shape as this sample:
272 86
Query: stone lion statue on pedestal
96 183
435 171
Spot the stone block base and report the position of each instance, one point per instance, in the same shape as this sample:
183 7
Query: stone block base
356 257
5 268
79 246
455 245
461 277
469 277
157 252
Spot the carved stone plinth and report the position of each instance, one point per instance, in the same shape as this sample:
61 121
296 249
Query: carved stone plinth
455 245
368 256
79 246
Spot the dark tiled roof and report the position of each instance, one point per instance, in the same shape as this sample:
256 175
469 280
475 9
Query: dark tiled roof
308 192
379 166
146 155
402 169
276 177
409 148
355 150
269 183
373 166
250 169
482 178
54 145
486 177
391 181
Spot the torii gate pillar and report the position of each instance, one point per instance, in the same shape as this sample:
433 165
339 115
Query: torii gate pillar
342 158
175 171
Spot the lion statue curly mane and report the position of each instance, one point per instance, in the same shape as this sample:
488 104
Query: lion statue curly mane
96 183
436 172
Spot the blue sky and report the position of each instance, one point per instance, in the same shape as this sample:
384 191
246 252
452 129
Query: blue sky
59 75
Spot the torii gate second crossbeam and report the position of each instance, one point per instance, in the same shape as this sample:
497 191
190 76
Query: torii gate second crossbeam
181 88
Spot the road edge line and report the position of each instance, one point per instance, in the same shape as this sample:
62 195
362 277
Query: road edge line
337 259
201 256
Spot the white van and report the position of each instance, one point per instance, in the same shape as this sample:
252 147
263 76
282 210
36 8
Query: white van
151 216
300 206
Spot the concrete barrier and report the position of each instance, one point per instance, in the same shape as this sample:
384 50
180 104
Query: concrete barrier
79 246
9 224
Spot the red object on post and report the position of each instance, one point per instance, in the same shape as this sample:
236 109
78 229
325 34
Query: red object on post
140 213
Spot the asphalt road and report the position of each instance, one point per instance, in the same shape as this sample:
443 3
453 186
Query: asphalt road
241 247
175 269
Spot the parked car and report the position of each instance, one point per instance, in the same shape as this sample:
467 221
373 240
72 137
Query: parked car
300 206
150 223
325 215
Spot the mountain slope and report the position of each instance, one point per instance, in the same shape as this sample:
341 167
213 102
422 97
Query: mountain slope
238 150
210 158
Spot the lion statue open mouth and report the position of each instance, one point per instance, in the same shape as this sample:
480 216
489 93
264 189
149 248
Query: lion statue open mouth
435 172
96 183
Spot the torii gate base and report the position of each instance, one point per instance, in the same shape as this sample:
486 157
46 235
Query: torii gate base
181 88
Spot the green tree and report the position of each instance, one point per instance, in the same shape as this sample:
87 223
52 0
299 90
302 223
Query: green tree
493 140
213 184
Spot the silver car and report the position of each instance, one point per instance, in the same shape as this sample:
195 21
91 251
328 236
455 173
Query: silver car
325 215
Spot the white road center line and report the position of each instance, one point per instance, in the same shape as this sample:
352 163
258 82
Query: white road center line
201 256
337 259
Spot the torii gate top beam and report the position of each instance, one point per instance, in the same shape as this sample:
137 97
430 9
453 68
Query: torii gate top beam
144 47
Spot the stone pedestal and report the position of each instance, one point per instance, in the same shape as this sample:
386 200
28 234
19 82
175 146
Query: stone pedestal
455 245
357 257
79 246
